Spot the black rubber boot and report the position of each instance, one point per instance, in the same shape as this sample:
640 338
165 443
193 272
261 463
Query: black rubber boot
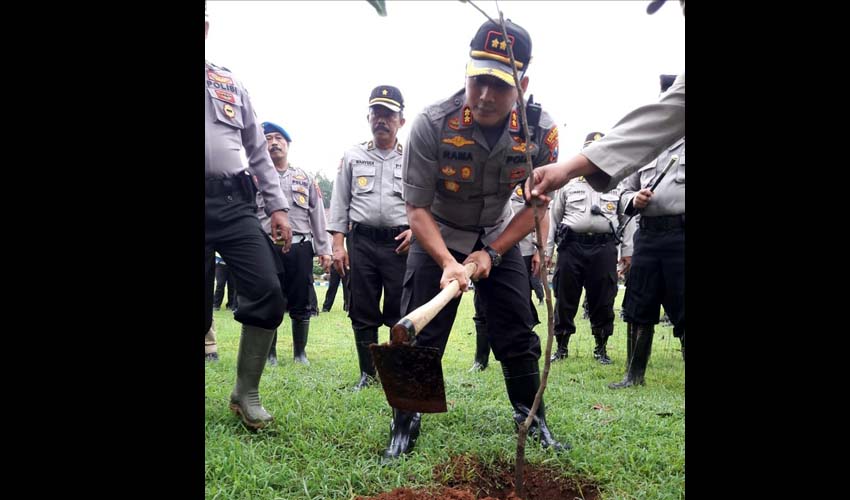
254 347
404 430
272 358
362 340
561 352
522 379
600 352
300 328
641 336
482 349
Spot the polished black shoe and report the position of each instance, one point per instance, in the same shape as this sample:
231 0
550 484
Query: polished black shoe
211 357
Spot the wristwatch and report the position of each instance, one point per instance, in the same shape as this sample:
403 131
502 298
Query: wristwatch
495 257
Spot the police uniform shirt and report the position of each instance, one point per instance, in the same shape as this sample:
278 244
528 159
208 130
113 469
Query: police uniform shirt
368 189
638 138
526 245
669 197
306 213
571 207
230 125
450 168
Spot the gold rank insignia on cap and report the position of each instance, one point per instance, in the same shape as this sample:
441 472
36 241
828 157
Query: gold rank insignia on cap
458 141
228 110
452 186
448 171
610 206
384 92
465 172
361 181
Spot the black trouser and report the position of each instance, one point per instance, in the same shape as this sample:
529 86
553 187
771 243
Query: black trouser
592 266
222 278
374 267
533 279
656 278
232 228
504 298
332 288
298 265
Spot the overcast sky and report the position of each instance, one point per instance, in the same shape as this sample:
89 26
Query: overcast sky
310 65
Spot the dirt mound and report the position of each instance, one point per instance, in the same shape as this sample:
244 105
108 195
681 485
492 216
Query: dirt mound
466 478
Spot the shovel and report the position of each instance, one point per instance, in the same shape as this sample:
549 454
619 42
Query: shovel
412 376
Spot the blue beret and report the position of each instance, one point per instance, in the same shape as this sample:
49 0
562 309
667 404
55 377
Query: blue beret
269 127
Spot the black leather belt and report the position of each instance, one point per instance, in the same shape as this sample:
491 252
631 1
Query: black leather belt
590 238
379 233
662 223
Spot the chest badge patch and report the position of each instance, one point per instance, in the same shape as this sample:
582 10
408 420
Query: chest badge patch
228 110
465 173
361 181
458 141
452 186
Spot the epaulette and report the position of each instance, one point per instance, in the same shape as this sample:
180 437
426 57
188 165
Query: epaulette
445 107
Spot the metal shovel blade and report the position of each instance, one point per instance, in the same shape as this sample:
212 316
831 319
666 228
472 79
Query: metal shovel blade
412 377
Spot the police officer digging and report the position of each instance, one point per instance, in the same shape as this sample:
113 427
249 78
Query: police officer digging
309 234
232 229
367 198
465 156
585 222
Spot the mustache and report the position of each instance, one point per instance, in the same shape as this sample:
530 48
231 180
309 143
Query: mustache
276 148
380 127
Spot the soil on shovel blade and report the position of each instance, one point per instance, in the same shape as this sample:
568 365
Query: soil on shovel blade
466 478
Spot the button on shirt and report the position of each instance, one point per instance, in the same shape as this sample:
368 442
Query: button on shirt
368 189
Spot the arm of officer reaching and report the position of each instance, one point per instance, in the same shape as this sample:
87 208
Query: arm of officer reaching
553 176
428 235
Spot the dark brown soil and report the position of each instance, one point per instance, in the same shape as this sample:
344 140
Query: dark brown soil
466 478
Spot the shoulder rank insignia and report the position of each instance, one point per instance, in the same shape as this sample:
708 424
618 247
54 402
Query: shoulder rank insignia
514 127
467 116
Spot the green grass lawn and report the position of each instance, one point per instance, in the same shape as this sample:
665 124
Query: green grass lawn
327 440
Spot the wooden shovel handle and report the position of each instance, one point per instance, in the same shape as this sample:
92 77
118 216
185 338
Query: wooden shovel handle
414 322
